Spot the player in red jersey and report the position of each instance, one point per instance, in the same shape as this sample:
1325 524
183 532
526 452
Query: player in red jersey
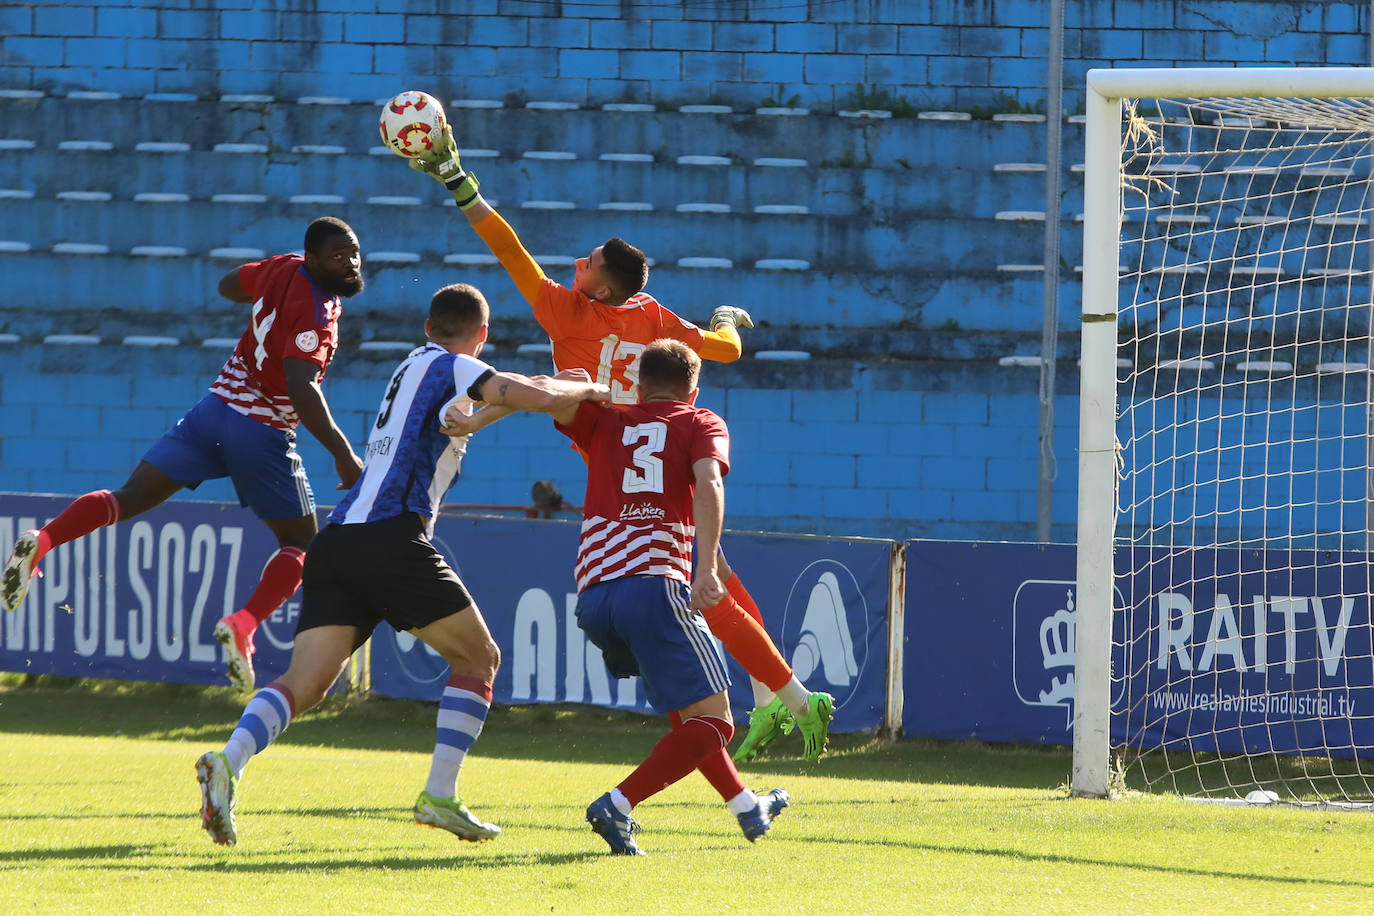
244 429
654 485
602 325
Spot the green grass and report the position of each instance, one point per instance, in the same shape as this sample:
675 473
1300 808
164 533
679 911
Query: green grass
98 814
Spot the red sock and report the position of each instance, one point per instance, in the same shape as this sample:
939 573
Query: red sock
89 512
749 643
279 581
736 588
717 767
677 754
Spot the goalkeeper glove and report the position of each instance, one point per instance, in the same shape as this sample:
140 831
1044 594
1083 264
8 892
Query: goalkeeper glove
442 164
731 315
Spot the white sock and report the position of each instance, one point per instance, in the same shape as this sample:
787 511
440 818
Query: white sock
622 804
795 697
743 803
762 695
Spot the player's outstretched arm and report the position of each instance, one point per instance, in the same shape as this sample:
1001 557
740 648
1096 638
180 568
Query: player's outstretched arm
722 342
303 387
444 166
708 514
457 423
541 394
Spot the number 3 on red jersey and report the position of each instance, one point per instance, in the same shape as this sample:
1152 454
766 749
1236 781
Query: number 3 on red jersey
619 369
647 474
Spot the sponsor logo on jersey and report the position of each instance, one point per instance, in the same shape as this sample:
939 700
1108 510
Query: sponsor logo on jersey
307 341
380 446
640 512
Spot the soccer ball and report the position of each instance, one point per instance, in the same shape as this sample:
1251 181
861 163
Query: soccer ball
411 123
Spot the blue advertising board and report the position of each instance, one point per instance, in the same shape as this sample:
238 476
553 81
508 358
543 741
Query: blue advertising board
989 650
824 602
1230 651
139 601
1246 650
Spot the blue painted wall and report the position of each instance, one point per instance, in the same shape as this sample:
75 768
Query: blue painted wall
940 443
924 53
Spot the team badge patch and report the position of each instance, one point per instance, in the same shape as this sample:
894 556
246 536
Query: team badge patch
307 341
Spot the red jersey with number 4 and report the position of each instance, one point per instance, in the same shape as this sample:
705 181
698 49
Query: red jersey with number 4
606 340
637 516
292 317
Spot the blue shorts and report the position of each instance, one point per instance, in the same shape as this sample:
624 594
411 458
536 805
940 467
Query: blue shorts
643 626
213 440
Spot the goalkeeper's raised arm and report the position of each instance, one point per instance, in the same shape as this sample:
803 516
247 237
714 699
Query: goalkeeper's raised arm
445 167
605 301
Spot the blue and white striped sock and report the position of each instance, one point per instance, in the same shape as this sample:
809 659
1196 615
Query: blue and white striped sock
462 711
264 718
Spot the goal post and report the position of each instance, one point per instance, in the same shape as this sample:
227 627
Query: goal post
1223 579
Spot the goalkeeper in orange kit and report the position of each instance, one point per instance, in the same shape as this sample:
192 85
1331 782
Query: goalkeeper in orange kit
601 325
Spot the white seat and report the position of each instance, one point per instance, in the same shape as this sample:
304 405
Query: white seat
471 260
158 251
392 257
238 254
239 199
158 146
703 160
142 340
706 263
782 264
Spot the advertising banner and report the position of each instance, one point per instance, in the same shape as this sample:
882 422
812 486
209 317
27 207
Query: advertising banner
1247 650
824 601
989 641
140 600
1224 651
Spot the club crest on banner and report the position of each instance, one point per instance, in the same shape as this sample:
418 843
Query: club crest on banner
825 629
1044 628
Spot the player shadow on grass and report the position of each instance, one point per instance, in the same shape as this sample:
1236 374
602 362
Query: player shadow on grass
576 734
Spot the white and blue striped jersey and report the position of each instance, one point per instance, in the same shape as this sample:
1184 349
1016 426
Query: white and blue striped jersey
410 464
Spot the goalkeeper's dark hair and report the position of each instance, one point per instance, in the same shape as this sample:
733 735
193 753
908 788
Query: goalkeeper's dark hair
457 312
323 231
626 267
669 364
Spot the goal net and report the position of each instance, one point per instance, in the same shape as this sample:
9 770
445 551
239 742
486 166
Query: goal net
1225 519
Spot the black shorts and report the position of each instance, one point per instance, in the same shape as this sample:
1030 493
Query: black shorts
359 575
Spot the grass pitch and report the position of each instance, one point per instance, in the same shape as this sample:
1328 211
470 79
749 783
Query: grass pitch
99 814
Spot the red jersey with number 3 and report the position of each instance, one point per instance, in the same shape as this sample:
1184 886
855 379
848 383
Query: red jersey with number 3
637 515
292 317
606 340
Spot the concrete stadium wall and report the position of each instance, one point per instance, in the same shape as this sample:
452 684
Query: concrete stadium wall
831 446
917 54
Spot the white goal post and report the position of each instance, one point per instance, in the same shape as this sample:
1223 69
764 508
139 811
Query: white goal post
1223 575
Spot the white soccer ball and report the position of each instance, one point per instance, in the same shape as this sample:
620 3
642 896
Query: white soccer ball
411 123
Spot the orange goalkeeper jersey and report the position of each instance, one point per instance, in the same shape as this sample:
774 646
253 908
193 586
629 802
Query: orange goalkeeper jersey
607 341
604 340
